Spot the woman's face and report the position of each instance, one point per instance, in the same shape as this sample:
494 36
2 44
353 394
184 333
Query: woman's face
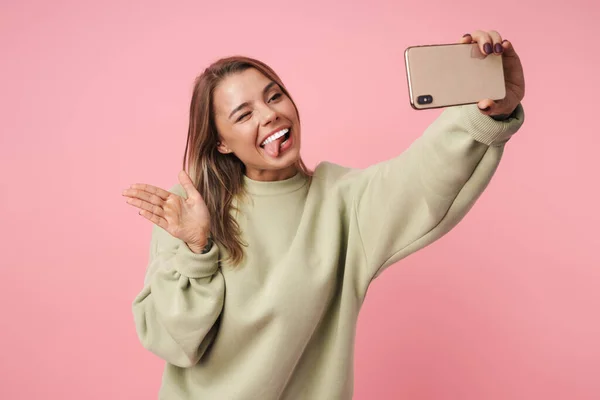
258 123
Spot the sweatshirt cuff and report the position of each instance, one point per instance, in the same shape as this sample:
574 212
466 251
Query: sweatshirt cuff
487 130
196 266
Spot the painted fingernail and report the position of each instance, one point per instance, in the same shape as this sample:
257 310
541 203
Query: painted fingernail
487 48
498 48
485 109
466 34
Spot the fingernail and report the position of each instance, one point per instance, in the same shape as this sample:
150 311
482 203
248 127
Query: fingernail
498 48
466 34
485 109
487 48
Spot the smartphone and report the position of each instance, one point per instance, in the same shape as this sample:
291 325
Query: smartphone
447 75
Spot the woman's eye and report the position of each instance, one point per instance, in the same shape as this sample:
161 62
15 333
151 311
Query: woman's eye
275 96
241 117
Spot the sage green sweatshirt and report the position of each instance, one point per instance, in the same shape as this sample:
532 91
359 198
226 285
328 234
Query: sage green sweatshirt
282 324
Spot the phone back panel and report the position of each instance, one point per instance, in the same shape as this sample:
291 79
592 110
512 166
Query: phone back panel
452 74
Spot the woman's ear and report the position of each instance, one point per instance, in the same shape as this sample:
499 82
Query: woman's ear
222 147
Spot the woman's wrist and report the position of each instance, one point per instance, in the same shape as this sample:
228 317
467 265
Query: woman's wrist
201 248
504 117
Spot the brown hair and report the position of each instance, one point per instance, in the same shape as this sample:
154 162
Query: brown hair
219 177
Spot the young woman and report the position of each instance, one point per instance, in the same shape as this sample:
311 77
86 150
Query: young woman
258 267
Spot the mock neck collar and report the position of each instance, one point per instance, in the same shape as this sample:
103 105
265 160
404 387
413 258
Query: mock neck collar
270 188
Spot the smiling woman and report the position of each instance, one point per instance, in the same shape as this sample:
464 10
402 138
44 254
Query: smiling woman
264 130
238 105
296 250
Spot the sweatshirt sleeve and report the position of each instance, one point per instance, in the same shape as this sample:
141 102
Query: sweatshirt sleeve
406 203
176 312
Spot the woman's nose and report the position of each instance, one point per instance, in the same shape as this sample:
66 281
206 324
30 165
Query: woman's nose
268 116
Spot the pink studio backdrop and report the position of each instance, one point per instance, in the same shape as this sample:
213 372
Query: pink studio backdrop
95 97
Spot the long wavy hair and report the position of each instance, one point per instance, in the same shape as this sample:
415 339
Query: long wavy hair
219 177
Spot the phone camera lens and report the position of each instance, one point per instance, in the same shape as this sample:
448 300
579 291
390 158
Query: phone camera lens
425 99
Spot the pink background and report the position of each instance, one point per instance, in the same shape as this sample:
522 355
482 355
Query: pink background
95 97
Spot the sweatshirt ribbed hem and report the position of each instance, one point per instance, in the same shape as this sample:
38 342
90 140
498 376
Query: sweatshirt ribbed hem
196 266
487 130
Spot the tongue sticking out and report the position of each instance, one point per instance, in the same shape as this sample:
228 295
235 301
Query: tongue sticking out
272 148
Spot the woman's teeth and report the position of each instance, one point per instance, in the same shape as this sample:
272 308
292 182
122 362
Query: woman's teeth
275 136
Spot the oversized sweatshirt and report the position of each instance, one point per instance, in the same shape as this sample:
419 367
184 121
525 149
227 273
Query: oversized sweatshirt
281 325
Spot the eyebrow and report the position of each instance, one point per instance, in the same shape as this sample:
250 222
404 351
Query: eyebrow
265 90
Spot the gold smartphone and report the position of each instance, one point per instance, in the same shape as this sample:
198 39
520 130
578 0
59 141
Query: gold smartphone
452 74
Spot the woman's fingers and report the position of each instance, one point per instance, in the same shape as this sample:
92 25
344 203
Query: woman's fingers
489 42
145 205
496 42
484 41
147 196
151 201
155 219
466 39
163 194
486 106
508 49
187 184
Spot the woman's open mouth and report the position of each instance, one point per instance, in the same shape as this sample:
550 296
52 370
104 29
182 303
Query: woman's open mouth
285 133
277 142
